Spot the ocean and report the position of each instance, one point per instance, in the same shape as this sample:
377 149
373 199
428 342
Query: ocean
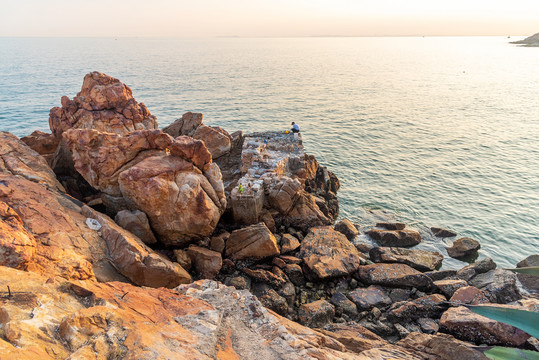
430 131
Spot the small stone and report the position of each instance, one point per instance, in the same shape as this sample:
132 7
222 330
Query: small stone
217 243
403 332
343 304
427 325
278 262
347 228
289 243
239 282
448 287
295 274
463 247
397 295
316 314
183 259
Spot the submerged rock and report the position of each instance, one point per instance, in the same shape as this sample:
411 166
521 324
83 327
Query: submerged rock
463 247
439 232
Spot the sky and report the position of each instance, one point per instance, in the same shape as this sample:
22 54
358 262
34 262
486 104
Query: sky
267 18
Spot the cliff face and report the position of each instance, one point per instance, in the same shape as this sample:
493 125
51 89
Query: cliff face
74 284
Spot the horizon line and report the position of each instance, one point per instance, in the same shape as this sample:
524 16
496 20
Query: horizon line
248 37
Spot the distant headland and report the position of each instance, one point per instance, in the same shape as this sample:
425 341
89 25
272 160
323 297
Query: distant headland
529 41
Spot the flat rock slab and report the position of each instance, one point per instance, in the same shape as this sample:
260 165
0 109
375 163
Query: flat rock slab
373 296
394 275
328 253
397 238
469 326
421 260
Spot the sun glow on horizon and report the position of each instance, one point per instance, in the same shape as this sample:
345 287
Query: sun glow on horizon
266 18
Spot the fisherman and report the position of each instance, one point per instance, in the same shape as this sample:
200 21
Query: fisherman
240 189
295 128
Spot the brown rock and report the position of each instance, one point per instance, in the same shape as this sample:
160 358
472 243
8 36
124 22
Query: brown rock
306 212
295 274
17 158
439 232
265 276
218 243
469 295
186 125
288 243
17 246
183 259
440 347
137 223
316 314
467 325
347 228
463 247
343 305
328 253
217 139
425 306
252 242
448 287
291 259
42 143
283 192
373 296
207 263
421 260
499 285
103 104
479 267
391 226
135 260
394 275
191 150
396 238
355 337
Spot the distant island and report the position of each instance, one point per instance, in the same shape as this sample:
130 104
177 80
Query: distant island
529 41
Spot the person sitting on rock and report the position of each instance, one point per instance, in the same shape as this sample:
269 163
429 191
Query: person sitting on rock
295 127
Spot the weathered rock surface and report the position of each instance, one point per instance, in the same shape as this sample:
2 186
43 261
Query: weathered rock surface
17 158
366 299
469 326
328 253
137 223
394 275
480 267
207 263
316 314
346 227
288 243
42 143
255 241
104 104
355 337
421 260
395 238
17 246
135 260
463 247
449 286
343 305
440 347
499 285
186 125
469 295
217 140
425 306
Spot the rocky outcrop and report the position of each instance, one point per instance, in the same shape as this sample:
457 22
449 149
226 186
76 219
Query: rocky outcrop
104 104
421 260
328 253
18 159
255 241
529 41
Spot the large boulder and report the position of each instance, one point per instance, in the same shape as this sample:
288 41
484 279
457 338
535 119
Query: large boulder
217 140
255 241
328 253
104 104
421 260
395 238
394 275
499 285
186 125
469 326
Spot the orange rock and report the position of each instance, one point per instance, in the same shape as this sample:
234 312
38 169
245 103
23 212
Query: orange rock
217 139
42 143
252 242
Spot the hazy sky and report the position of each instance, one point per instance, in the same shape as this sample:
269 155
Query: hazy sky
209 18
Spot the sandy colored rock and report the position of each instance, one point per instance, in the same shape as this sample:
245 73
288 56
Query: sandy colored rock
17 246
346 227
469 326
395 238
137 223
186 125
421 260
134 259
17 158
216 139
42 143
288 243
394 275
328 253
463 247
206 262
104 104
255 241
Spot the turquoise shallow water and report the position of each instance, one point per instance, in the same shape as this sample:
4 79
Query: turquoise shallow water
430 131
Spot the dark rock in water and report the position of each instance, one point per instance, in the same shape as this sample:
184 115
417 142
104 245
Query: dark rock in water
328 253
394 275
440 347
439 232
448 287
532 260
373 296
421 260
463 247
480 267
391 226
396 238
469 326
347 228
469 295
529 282
441 274
316 314
500 285
426 306
343 305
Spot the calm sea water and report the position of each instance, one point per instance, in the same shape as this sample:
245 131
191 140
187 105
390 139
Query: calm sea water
429 131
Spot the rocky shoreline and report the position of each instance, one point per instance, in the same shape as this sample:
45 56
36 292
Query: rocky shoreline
119 240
